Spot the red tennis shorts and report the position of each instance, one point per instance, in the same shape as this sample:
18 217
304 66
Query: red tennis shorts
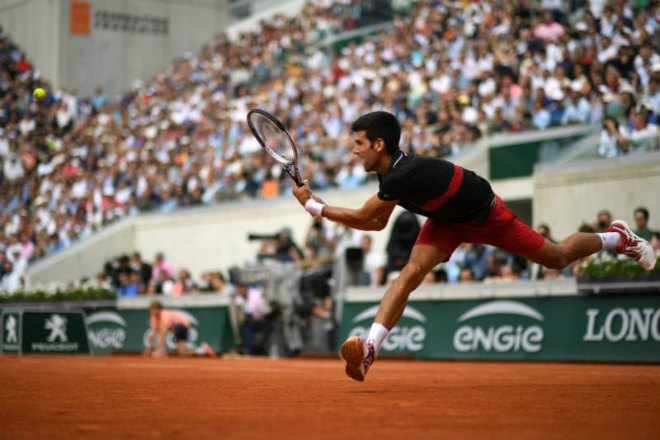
502 229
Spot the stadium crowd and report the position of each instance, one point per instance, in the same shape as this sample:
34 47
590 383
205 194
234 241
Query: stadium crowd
450 72
130 275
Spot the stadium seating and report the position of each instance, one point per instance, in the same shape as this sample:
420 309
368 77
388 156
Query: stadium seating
451 73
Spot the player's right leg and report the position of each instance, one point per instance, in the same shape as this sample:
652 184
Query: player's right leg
619 238
360 354
633 246
506 231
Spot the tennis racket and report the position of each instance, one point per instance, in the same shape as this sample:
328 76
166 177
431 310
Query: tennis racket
275 139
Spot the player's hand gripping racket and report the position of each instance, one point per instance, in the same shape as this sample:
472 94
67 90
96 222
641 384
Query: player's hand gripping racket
275 139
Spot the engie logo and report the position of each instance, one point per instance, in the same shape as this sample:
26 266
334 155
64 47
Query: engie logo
623 325
402 337
170 343
108 330
499 338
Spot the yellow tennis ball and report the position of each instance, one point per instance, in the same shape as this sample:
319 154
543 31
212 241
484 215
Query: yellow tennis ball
39 93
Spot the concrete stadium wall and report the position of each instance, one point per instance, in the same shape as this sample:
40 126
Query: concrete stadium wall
85 258
110 56
35 26
566 196
115 59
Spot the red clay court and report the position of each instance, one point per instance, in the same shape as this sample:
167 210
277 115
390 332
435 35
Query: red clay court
132 397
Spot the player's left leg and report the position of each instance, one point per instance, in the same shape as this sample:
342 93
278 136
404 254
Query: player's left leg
360 354
182 349
181 336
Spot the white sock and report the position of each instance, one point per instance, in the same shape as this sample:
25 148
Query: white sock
377 334
611 240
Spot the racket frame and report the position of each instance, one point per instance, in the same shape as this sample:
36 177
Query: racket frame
291 167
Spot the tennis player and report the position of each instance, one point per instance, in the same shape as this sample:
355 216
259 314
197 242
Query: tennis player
460 206
163 321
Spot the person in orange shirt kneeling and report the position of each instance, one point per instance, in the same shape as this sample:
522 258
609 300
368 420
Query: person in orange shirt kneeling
163 321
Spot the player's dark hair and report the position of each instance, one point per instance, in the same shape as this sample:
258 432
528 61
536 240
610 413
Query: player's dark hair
644 211
380 125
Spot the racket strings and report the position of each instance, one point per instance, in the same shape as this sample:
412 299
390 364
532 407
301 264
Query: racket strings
274 138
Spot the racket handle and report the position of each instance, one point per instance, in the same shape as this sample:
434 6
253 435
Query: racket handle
292 170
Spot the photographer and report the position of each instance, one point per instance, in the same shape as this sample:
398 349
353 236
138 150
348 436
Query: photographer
280 247
319 242
251 316
614 139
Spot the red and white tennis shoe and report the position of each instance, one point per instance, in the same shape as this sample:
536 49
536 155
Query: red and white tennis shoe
358 356
633 246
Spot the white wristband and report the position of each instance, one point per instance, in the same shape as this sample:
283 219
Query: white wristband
313 207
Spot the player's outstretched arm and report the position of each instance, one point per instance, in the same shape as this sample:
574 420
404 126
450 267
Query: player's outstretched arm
372 216
150 342
160 347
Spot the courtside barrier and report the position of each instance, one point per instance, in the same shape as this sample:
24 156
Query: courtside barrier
104 327
564 327
126 327
51 331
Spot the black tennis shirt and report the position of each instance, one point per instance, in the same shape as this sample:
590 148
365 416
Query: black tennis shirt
436 188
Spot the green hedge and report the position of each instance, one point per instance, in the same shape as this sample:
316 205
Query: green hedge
618 268
60 295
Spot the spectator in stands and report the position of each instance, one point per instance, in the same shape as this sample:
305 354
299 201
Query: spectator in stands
129 284
102 281
507 273
643 134
11 280
553 274
655 243
466 275
374 262
184 285
99 99
652 96
540 116
123 268
536 271
143 269
161 269
162 284
2 264
641 223
548 30
454 266
476 259
614 138
213 282
603 221
544 230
